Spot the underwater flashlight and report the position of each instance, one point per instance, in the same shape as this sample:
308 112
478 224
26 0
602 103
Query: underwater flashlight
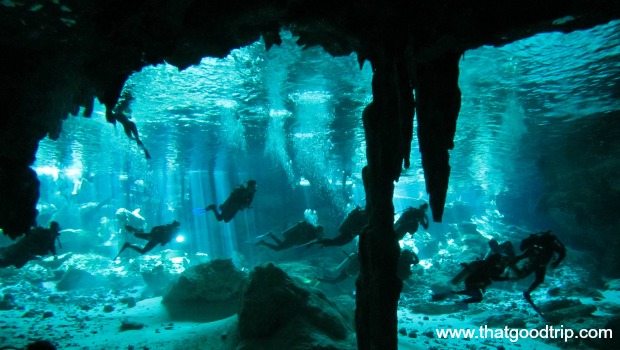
180 238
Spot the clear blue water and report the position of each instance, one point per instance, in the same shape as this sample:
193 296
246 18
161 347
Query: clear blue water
291 119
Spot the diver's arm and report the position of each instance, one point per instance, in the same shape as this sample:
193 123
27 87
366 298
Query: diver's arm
561 250
424 221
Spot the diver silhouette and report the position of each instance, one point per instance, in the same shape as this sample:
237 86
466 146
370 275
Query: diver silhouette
538 251
241 198
480 273
120 114
350 228
162 234
300 234
409 221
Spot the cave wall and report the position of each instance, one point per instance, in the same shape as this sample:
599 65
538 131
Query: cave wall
581 191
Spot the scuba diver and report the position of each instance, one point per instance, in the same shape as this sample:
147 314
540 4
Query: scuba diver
39 241
358 218
159 235
122 113
405 260
351 226
241 198
409 221
350 267
538 250
479 274
300 234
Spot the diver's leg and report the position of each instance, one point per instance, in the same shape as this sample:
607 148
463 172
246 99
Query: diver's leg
275 239
269 245
341 277
142 235
228 215
125 246
218 216
540 278
213 208
148 247
475 295
339 240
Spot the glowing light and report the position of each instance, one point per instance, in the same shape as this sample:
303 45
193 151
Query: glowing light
304 182
279 113
303 135
47 170
426 264
180 239
226 103
307 97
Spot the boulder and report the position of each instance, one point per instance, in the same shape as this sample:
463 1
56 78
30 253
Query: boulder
558 310
78 279
206 292
276 313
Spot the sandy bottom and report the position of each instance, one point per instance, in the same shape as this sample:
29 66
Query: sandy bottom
90 319
94 329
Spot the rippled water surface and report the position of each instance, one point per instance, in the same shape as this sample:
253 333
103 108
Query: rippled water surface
293 116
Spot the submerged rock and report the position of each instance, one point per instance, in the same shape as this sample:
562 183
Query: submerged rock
158 279
560 310
276 313
78 279
8 302
577 311
206 292
127 325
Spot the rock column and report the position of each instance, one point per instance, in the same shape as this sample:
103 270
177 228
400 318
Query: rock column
388 127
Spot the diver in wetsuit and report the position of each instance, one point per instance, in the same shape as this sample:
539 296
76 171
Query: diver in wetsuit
350 267
162 234
121 113
351 226
301 233
479 274
483 273
410 220
539 249
241 198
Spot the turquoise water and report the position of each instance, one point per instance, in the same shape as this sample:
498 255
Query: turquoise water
291 119
537 148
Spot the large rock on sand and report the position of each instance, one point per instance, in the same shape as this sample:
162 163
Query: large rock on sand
276 313
206 292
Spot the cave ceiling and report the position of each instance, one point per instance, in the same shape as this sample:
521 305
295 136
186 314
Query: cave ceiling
58 55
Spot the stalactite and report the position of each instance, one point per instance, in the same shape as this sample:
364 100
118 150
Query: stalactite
438 104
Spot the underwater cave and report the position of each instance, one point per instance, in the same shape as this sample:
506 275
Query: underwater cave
129 122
